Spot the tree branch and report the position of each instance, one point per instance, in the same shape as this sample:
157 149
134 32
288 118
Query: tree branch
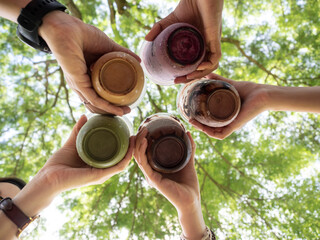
157 108
231 165
73 8
263 219
123 195
134 213
251 59
67 95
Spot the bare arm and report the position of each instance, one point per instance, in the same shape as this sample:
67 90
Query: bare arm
76 46
10 9
257 98
180 188
63 171
297 99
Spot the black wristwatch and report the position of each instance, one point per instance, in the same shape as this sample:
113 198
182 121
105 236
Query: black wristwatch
30 20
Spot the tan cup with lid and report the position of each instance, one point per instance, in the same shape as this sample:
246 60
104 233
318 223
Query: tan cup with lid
118 78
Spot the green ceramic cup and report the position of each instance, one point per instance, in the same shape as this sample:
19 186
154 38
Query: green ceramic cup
103 140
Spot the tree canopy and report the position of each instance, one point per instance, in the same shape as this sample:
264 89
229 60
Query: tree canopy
262 182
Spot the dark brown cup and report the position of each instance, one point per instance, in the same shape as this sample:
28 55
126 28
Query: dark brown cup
169 148
211 102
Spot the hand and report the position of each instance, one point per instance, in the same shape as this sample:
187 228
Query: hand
77 46
254 100
65 169
180 188
206 15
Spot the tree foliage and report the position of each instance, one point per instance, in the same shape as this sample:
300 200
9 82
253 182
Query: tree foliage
262 182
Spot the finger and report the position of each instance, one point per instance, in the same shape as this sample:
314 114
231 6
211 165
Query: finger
99 102
127 158
93 109
204 66
140 152
126 109
193 145
89 106
218 133
196 124
203 70
199 74
73 136
153 177
218 77
160 26
141 149
182 79
215 51
154 32
141 135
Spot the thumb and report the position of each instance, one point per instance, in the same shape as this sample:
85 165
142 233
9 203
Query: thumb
160 26
73 136
218 77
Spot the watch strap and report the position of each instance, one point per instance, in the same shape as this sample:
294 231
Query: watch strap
15 214
30 20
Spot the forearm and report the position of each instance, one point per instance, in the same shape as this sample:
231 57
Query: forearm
31 200
10 9
8 229
192 223
298 99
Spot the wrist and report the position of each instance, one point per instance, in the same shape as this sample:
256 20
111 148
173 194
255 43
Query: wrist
52 23
8 229
36 195
192 222
276 97
265 100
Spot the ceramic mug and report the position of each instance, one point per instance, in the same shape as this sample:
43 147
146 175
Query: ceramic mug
211 102
103 140
176 51
118 78
169 147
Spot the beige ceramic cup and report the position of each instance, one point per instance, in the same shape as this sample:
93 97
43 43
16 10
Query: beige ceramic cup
118 78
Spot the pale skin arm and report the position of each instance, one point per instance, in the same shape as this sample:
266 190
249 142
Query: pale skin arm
206 15
63 171
76 46
181 189
257 98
